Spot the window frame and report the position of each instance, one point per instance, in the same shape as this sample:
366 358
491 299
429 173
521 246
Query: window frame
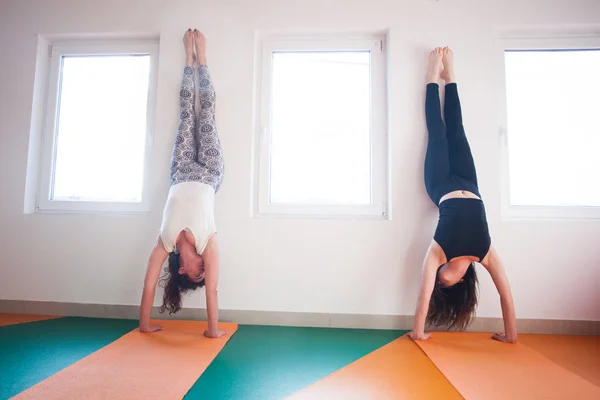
267 44
538 43
56 51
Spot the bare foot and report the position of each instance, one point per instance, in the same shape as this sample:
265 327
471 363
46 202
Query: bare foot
448 59
435 65
188 43
200 43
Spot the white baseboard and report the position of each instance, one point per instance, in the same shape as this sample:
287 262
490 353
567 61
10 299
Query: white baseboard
320 320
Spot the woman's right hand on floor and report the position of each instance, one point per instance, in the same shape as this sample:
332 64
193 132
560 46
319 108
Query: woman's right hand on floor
151 328
414 335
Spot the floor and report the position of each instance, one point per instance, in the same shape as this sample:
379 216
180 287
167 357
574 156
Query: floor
270 362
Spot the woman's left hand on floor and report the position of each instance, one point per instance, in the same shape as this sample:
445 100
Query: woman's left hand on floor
501 337
216 334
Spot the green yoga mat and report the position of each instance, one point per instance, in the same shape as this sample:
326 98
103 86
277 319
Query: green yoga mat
33 351
270 362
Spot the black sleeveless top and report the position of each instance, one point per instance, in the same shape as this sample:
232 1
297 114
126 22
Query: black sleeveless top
462 228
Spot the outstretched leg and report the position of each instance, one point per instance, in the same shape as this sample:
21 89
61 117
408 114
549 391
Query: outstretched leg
437 167
210 153
461 158
184 151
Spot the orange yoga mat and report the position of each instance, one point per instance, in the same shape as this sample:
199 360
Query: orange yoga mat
481 368
399 370
578 354
162 365
11 319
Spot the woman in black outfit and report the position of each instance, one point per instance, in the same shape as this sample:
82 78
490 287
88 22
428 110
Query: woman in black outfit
448 294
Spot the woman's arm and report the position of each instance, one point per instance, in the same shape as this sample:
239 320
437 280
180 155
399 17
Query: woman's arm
494 265
211 279
433 259
155 263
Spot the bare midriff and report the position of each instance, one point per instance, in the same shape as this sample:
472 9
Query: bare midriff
459 194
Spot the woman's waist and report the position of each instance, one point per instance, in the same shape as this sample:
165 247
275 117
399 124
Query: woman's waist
459 194
465 212
191 190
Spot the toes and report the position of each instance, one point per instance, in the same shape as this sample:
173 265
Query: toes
438 51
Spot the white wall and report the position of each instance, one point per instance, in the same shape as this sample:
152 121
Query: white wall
369 267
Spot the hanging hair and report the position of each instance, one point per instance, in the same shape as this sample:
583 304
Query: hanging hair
175 285
454 306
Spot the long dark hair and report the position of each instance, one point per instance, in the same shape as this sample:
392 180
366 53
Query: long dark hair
175 285
454 306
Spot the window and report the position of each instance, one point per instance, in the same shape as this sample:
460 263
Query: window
322 141
97 129
553 133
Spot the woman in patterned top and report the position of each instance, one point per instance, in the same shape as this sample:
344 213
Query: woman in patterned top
188 232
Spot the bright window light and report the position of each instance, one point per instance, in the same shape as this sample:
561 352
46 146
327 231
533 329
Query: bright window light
553 127
321 113
101 128
322 145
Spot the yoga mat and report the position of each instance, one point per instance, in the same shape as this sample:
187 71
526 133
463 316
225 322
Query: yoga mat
11 319
162 365
578 354
482 368
273 362
399 370
32 352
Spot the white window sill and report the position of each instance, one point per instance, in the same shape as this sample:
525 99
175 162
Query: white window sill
550 213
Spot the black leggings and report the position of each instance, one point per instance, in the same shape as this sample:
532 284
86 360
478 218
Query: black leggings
449 164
